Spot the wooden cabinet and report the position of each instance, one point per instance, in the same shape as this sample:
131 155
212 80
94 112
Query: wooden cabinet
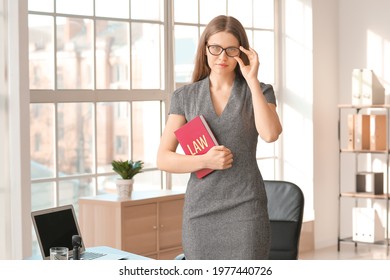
149 223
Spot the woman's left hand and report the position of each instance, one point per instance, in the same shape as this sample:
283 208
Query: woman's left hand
249 71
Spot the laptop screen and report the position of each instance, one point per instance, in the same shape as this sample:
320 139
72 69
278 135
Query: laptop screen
55 227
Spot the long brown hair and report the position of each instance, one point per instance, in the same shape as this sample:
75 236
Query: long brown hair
219 24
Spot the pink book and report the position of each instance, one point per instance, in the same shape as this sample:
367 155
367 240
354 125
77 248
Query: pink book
196 138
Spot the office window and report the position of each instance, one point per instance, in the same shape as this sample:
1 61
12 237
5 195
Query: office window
42 120
97 85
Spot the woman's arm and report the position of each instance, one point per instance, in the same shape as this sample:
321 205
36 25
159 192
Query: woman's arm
218 157
266 118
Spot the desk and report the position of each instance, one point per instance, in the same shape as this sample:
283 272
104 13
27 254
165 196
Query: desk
108 250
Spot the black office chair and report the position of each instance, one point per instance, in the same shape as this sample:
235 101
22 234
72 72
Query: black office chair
285 211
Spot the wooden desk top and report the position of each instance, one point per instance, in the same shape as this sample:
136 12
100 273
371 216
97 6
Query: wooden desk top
135 196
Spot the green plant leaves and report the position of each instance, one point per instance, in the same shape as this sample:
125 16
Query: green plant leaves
127 169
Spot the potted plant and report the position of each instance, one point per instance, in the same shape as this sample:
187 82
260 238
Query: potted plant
126 169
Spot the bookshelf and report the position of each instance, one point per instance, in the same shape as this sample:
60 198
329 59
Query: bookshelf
363 175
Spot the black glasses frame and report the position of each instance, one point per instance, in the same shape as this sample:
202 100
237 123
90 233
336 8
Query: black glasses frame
223 49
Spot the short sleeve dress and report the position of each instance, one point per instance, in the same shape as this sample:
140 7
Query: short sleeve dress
225 213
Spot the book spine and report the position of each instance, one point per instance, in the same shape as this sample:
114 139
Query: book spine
351 132
378 133
362 132
208 129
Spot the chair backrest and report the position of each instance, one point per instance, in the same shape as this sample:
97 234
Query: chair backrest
285 211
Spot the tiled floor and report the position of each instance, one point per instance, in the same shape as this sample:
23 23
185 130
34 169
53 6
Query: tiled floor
348 251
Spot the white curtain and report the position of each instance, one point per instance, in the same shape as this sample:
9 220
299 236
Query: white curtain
5 197
15 190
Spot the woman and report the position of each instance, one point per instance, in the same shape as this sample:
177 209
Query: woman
225 213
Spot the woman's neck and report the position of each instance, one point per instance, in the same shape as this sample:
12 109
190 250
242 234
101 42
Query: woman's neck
221 82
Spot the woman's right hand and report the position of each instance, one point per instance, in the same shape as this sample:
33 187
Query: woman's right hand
218 158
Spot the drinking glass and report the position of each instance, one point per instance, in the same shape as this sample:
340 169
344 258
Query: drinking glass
59 253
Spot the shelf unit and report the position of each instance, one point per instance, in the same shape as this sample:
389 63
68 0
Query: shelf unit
347 186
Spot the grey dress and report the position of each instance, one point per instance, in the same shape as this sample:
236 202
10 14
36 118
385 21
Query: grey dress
225 213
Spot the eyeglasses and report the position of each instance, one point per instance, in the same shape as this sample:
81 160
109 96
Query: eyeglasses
217 50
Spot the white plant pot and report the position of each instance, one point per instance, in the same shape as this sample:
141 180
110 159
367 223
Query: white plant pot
124 187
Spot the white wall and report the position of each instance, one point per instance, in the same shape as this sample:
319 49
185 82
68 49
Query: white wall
347 34
325 116
297 97
310 115
364 41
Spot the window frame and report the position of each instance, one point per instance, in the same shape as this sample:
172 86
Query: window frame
94 96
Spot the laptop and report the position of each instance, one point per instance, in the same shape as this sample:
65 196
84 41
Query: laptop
55 227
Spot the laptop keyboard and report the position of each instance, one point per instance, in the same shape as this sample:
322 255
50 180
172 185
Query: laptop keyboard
91 255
